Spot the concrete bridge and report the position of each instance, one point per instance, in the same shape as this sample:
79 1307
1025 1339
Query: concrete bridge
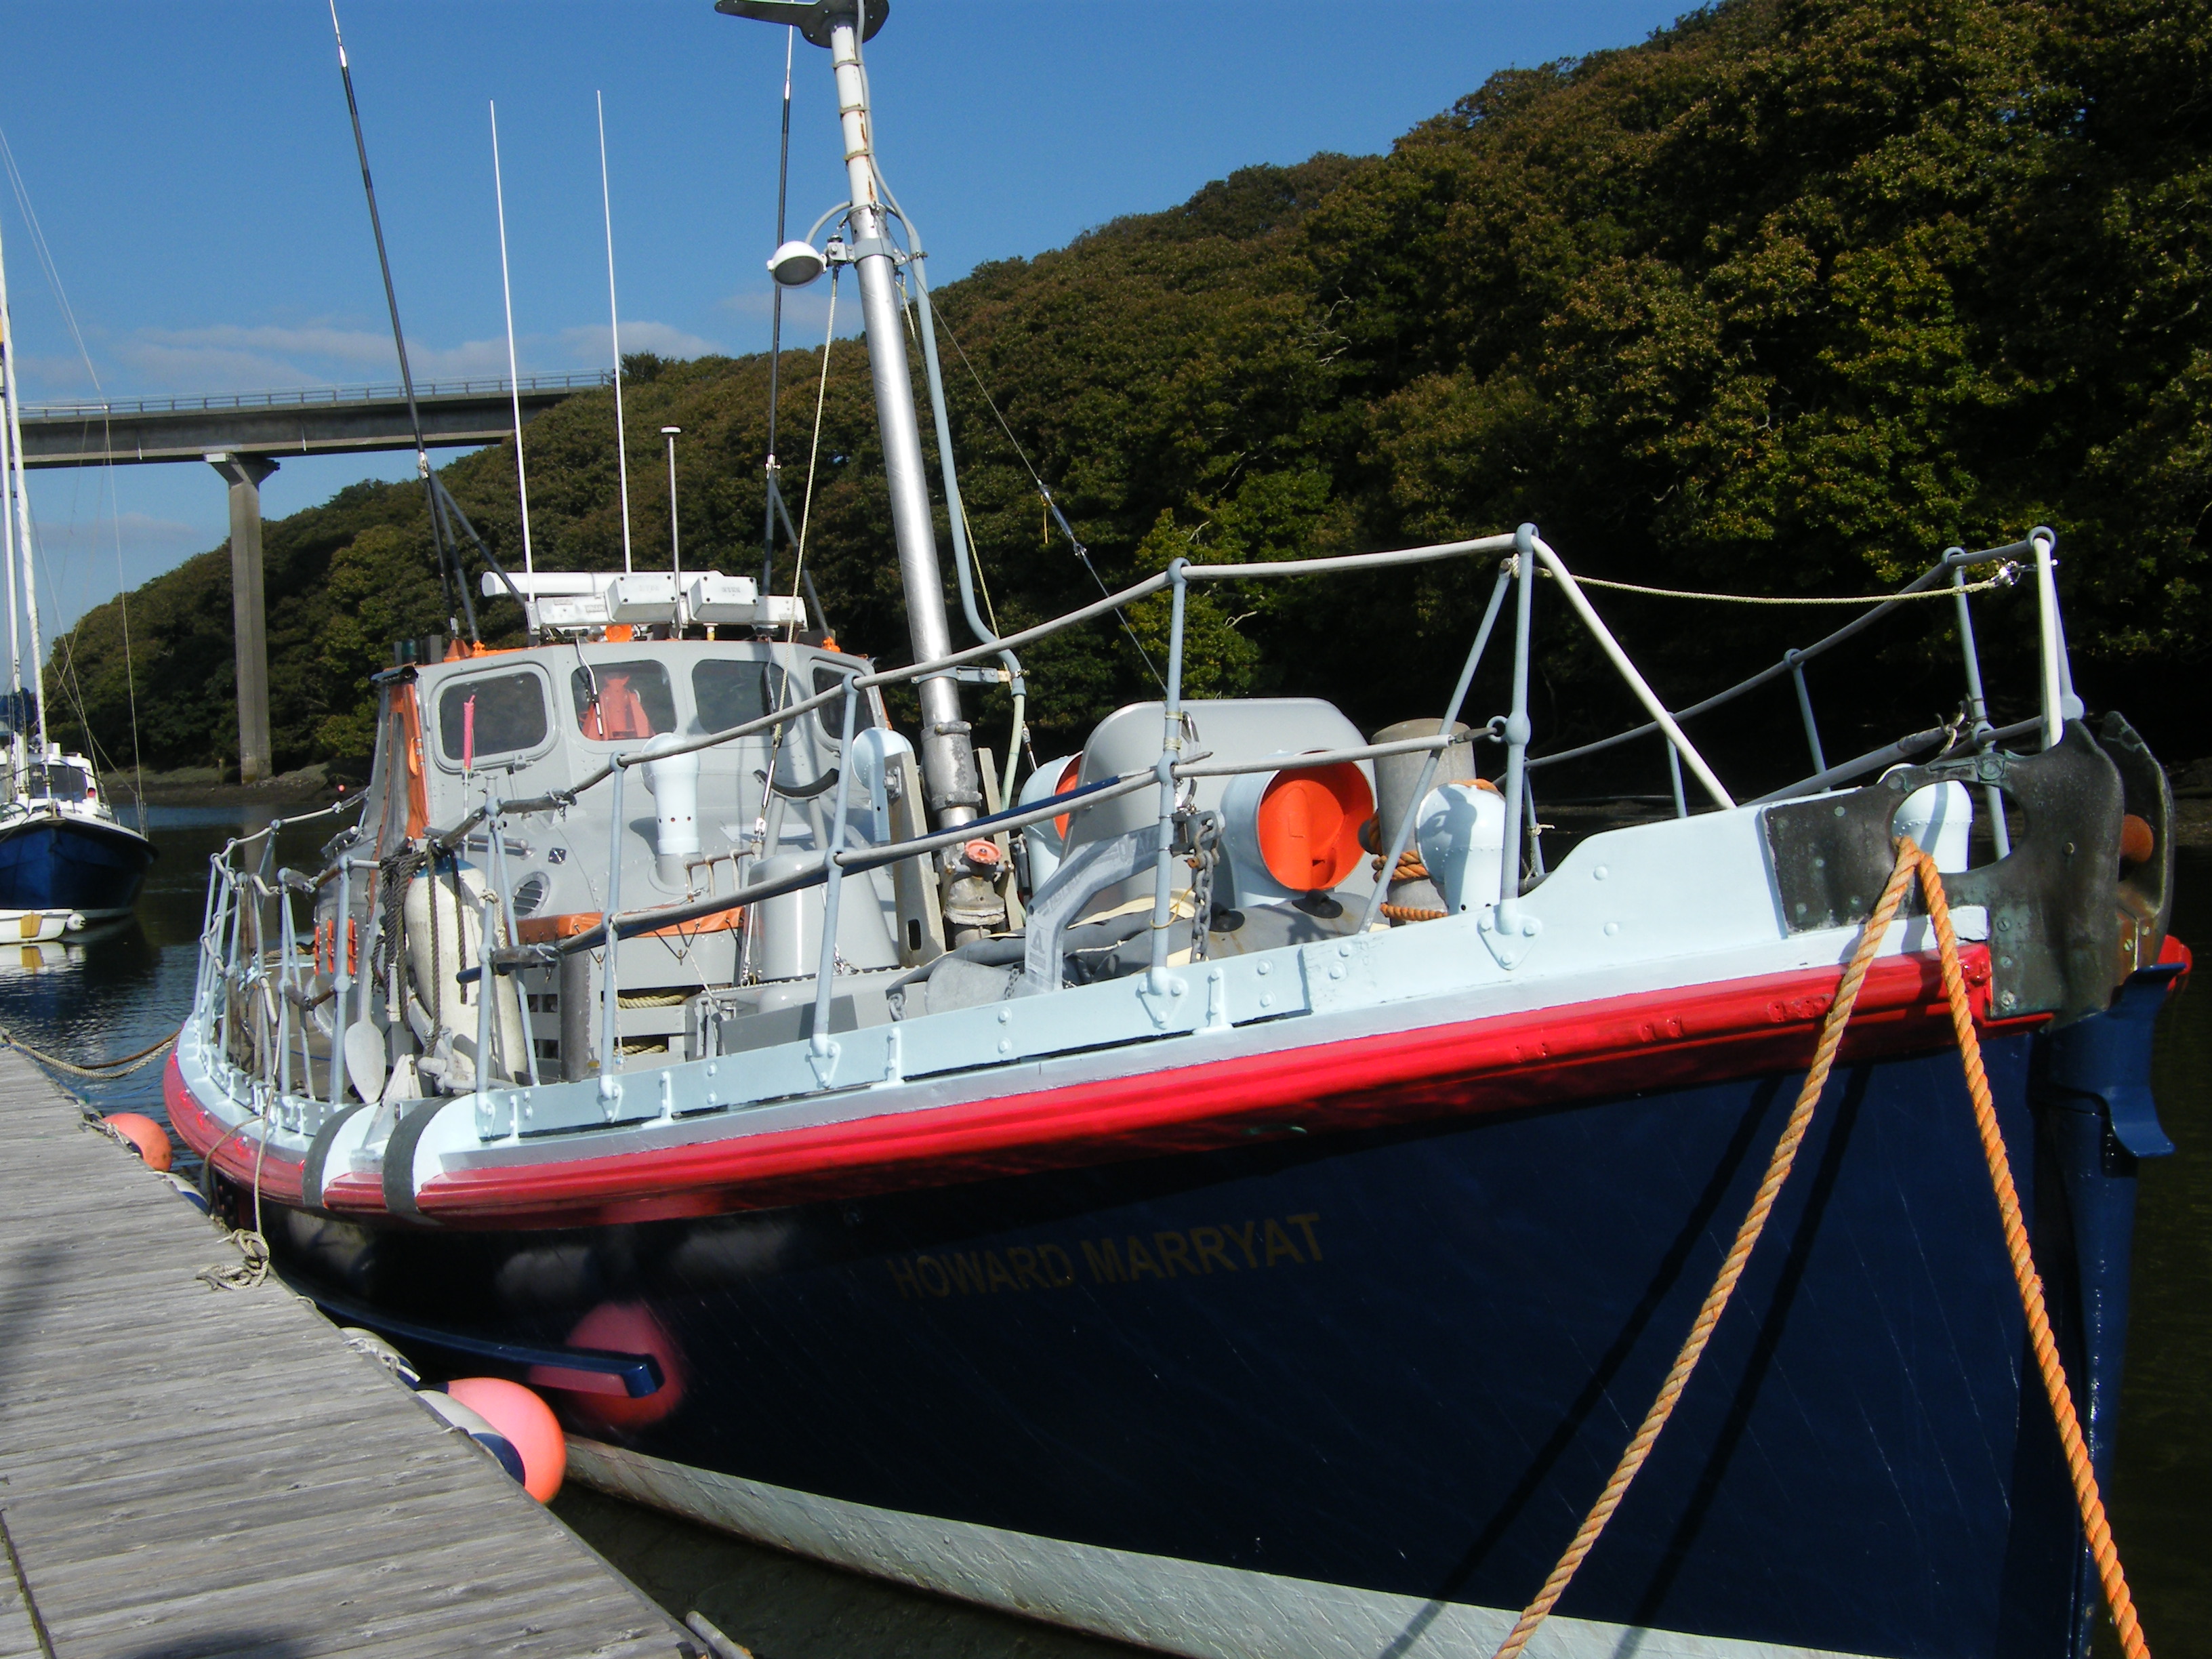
245 435
271 425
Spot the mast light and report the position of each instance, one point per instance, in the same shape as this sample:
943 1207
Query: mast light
796 263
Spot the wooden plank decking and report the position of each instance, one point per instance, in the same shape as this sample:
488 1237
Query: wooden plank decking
186 1472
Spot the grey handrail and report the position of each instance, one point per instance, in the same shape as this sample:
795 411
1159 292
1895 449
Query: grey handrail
1878 608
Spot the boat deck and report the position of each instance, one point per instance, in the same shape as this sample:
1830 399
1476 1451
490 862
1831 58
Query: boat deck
185 1471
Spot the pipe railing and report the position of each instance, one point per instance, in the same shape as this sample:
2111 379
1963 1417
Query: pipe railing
237 896
1955 559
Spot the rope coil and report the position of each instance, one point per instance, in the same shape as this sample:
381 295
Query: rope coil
1910 862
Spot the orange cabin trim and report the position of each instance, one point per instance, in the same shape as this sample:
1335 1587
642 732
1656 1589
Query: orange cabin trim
409 712
550 930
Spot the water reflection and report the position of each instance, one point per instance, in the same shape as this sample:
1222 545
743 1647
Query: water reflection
113 989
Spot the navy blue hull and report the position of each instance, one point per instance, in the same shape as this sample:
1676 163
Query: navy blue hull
59 863
1406 1361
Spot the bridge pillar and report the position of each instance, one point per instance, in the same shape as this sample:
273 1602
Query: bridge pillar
244 474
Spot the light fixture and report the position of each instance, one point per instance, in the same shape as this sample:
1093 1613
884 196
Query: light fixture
796 263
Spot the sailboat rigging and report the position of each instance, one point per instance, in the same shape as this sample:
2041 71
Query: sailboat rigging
65 858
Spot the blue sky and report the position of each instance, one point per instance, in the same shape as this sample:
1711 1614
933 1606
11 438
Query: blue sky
192 171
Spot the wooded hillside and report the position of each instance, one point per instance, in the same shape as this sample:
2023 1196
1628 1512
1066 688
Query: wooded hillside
1785 301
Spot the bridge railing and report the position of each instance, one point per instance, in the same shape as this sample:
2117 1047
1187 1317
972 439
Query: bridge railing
316 397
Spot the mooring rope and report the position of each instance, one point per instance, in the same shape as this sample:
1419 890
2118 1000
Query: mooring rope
2094 1527
97 1069
1409 868
1717 1299
1911 861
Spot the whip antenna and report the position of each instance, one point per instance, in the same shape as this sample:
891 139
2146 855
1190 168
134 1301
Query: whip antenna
775 333
514 376
614 326
449 576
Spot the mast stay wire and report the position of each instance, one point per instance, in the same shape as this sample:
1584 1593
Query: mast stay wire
70 678
964 531
813 454
449 572
1082 552
1044 492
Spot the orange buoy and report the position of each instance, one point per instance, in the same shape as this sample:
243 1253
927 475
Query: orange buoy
149 1139
528 1424
629 1328
2137 842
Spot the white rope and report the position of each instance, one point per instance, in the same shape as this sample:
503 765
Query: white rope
2007 573
244 1275
813 453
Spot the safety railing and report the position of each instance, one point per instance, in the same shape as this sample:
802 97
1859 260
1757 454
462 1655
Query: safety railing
236 960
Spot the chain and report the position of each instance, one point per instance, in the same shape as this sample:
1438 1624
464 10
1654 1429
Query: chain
1205 856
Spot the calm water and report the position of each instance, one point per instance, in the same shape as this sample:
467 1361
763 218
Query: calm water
117 992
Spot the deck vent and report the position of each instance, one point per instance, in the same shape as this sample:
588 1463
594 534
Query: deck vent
529 895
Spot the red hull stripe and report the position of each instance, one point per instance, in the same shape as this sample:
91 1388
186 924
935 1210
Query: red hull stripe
1653 1040
237 1158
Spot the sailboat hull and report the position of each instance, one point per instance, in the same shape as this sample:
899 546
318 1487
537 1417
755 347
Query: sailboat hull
1350 1392
55 861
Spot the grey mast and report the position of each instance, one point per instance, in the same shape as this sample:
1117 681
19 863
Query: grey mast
948 755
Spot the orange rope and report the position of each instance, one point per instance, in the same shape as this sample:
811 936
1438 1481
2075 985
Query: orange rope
1717 1299
1910 861
2093 1524
1412 913
1409 868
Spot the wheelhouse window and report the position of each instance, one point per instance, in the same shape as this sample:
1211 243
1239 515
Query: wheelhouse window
59 782
730 693
508 717
620 701
831 715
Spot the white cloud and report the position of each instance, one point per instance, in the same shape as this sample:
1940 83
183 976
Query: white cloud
209 368
592 345
321 339
251 358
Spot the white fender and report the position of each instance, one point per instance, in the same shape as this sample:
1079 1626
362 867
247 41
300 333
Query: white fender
451 1005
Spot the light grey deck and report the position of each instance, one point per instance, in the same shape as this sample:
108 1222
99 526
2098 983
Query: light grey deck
186 1472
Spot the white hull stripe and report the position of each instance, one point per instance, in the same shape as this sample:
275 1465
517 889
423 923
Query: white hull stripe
1156 1602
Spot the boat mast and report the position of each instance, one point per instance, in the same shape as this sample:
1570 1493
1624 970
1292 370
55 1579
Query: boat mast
7 558
948 757
19 489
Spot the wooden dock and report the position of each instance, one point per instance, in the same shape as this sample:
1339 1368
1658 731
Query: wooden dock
188 1471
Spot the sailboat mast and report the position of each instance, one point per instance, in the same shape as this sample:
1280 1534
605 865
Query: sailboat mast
19 489
948 757
7 559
